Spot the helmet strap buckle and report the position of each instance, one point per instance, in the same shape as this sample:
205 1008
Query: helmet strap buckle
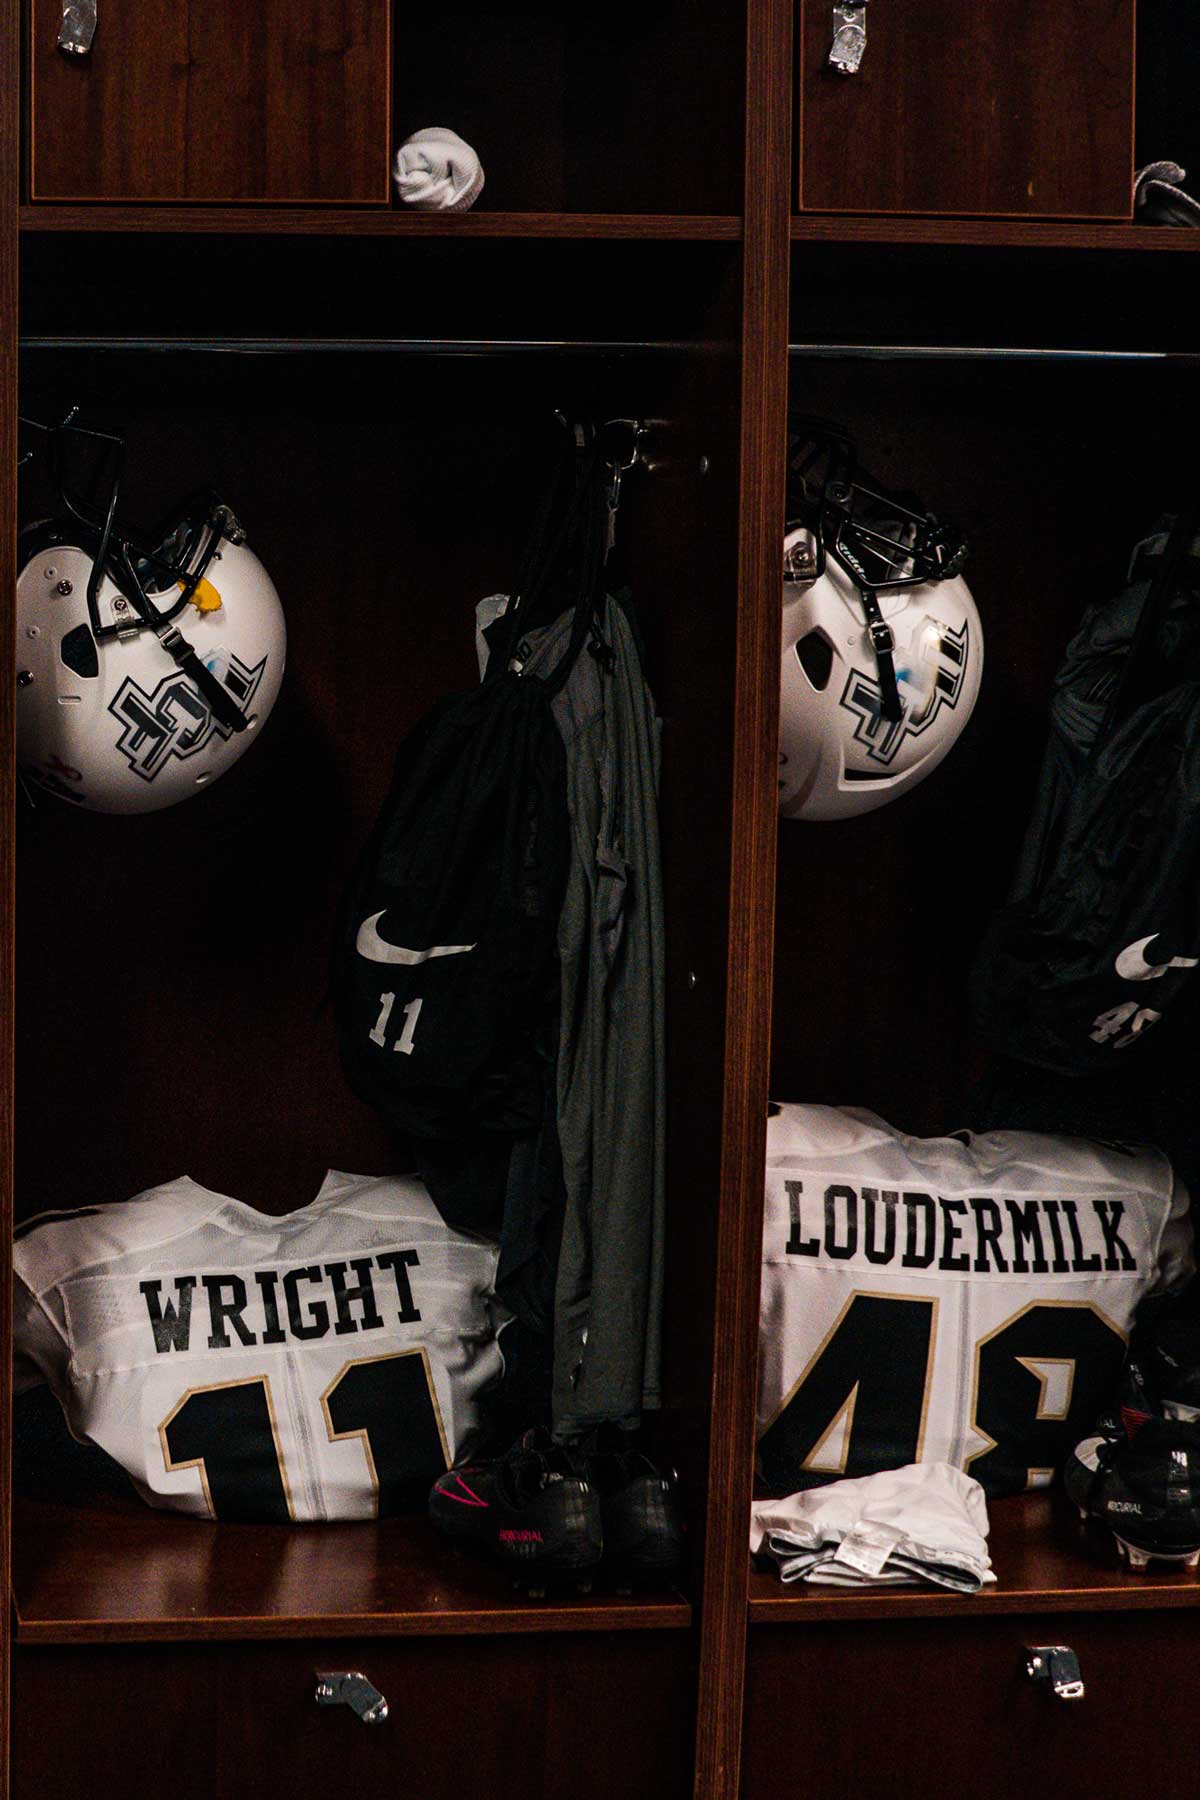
883 643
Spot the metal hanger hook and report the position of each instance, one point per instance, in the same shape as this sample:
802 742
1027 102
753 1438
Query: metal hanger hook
637 429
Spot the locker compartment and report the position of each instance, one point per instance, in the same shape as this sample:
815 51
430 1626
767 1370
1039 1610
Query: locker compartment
1054 468
1055 460
386 491
637 110
1168 50
633 110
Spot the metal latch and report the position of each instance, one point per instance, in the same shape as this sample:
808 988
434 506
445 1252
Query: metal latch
78 27
348 1687
1058 1665
849 37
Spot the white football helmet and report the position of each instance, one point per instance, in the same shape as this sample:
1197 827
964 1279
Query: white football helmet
145 667
882 644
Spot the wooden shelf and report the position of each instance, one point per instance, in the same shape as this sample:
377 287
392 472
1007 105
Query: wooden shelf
117 1572
813 228
1044 1562
1039 234
272 221
702 227
269 221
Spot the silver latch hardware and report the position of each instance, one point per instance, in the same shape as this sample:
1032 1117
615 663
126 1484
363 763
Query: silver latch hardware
348 1687
78 27
849 37
1059 1666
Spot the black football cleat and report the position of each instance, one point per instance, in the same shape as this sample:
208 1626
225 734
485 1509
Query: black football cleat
1173 1367
1138 1472
645 1537
531 1509
1143 1484
1134 1403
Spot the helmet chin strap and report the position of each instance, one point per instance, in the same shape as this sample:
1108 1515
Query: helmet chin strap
219 700
902 548
883 643
879 632
947 556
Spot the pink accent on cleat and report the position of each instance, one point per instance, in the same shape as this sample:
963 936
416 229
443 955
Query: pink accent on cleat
468 1497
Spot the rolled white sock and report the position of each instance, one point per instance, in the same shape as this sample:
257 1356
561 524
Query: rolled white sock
1158 198
436 171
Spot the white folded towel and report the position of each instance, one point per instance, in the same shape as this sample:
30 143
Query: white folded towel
436 172
925 1522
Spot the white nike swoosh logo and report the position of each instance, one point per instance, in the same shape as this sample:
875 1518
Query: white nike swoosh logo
368 943
1132 965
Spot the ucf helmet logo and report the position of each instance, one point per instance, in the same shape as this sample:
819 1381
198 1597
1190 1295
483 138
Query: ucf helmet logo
933 679
173 720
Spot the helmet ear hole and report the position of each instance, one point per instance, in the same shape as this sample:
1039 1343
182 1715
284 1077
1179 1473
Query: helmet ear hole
78 652
815 655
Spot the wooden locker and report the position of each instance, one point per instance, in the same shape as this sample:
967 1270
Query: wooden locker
631 247
998 110
952 1708
203 101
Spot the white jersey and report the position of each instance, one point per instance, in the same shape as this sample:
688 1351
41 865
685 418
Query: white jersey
322 1365
963 1299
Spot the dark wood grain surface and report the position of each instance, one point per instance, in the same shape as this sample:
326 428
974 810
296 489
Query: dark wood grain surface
998 109
805 228
945 1706
288 100
335 222
593 1716
114 1571
751 893
1030 234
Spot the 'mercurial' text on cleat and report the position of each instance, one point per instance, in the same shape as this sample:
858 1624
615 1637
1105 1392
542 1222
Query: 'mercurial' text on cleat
530 1509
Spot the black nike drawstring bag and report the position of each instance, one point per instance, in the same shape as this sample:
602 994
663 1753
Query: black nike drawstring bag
1101 933
445 966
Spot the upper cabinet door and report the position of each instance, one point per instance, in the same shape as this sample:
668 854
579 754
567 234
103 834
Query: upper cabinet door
214 100
995 108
